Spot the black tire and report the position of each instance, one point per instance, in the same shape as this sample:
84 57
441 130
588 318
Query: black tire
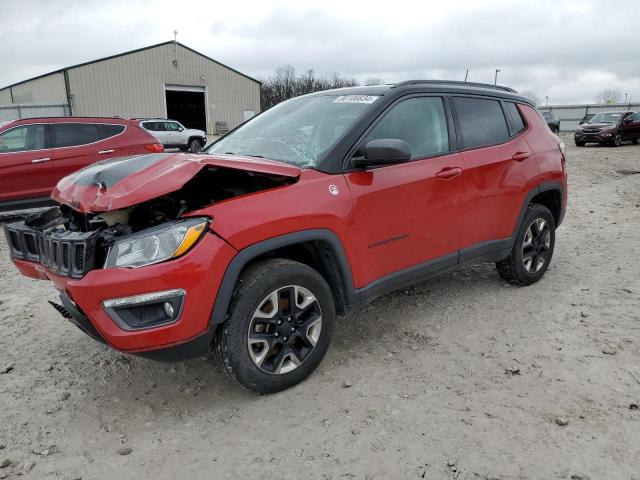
514 268
635 141
255 286
617 140
195 145
580 144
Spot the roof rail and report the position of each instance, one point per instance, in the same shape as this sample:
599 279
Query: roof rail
454 82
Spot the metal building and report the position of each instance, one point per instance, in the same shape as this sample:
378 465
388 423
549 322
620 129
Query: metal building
168 80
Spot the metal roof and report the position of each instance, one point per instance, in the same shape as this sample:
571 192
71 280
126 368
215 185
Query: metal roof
62 70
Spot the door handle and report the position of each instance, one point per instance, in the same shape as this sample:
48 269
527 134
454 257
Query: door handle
449 172
41 160
520 156
103 152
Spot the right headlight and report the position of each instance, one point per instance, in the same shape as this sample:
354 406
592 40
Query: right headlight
156 244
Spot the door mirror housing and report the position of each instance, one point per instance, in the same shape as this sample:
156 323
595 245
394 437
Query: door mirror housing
383 151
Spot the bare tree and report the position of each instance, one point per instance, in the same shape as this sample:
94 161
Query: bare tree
532 96
608 96
285 84
373 81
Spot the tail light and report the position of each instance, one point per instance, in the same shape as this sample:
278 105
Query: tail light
155 147
563 152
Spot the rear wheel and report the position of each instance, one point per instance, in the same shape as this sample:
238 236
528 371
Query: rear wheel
533 248
279 326
635 141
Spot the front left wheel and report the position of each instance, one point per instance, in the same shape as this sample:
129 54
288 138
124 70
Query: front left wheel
617 140
279 326
195 146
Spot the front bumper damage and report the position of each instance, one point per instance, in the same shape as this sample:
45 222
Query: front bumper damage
106 303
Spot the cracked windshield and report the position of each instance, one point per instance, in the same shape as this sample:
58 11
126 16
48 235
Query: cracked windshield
298 131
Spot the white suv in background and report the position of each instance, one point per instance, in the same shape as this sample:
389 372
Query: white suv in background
173 134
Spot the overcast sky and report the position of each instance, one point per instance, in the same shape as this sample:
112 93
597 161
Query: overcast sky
566 50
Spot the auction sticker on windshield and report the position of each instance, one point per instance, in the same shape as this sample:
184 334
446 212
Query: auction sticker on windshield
356 99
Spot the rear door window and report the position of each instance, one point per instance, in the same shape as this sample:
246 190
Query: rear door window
482 121
74 134
419 121
107 131
22 139
516 118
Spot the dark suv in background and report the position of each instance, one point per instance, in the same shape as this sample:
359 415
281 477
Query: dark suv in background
37 152
552 121
609 128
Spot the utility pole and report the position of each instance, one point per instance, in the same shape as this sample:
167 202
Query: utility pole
466 75
547 99
626 95
495 82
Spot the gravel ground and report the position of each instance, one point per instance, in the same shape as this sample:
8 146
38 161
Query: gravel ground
462 376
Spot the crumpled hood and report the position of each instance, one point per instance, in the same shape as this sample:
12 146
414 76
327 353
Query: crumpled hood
122 182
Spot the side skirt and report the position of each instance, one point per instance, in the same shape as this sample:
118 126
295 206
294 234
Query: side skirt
485 252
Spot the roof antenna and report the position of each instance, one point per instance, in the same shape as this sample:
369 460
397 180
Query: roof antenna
466 75
175 36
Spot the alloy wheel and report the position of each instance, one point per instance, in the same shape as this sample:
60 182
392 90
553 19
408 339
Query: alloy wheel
284 330
196 146
535 245
617 140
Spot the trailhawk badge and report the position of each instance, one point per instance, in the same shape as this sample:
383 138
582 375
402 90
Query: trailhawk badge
333 189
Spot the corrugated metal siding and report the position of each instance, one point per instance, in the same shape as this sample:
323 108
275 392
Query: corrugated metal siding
48 89
570 115
133 85
5 96
14 112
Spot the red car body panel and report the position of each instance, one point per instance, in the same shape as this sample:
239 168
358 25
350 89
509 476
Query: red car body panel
414 214
419 211
168 174
20 178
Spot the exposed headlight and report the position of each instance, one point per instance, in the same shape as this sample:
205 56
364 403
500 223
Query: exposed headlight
156 244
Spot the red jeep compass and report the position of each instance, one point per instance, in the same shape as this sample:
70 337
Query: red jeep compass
310 209
37 152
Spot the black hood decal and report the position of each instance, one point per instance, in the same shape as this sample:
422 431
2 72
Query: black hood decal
109 172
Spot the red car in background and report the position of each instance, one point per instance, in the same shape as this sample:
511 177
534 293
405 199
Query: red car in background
36 153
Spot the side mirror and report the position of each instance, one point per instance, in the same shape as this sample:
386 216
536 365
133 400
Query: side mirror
384 151
180 129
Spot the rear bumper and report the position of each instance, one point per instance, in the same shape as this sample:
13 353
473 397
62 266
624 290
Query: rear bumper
199 273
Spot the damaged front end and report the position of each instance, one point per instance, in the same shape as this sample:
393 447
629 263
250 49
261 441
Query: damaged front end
135 211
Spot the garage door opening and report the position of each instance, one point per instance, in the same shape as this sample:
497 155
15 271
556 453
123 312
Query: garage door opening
187 107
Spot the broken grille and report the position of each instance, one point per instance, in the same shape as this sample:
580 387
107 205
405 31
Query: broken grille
66 253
